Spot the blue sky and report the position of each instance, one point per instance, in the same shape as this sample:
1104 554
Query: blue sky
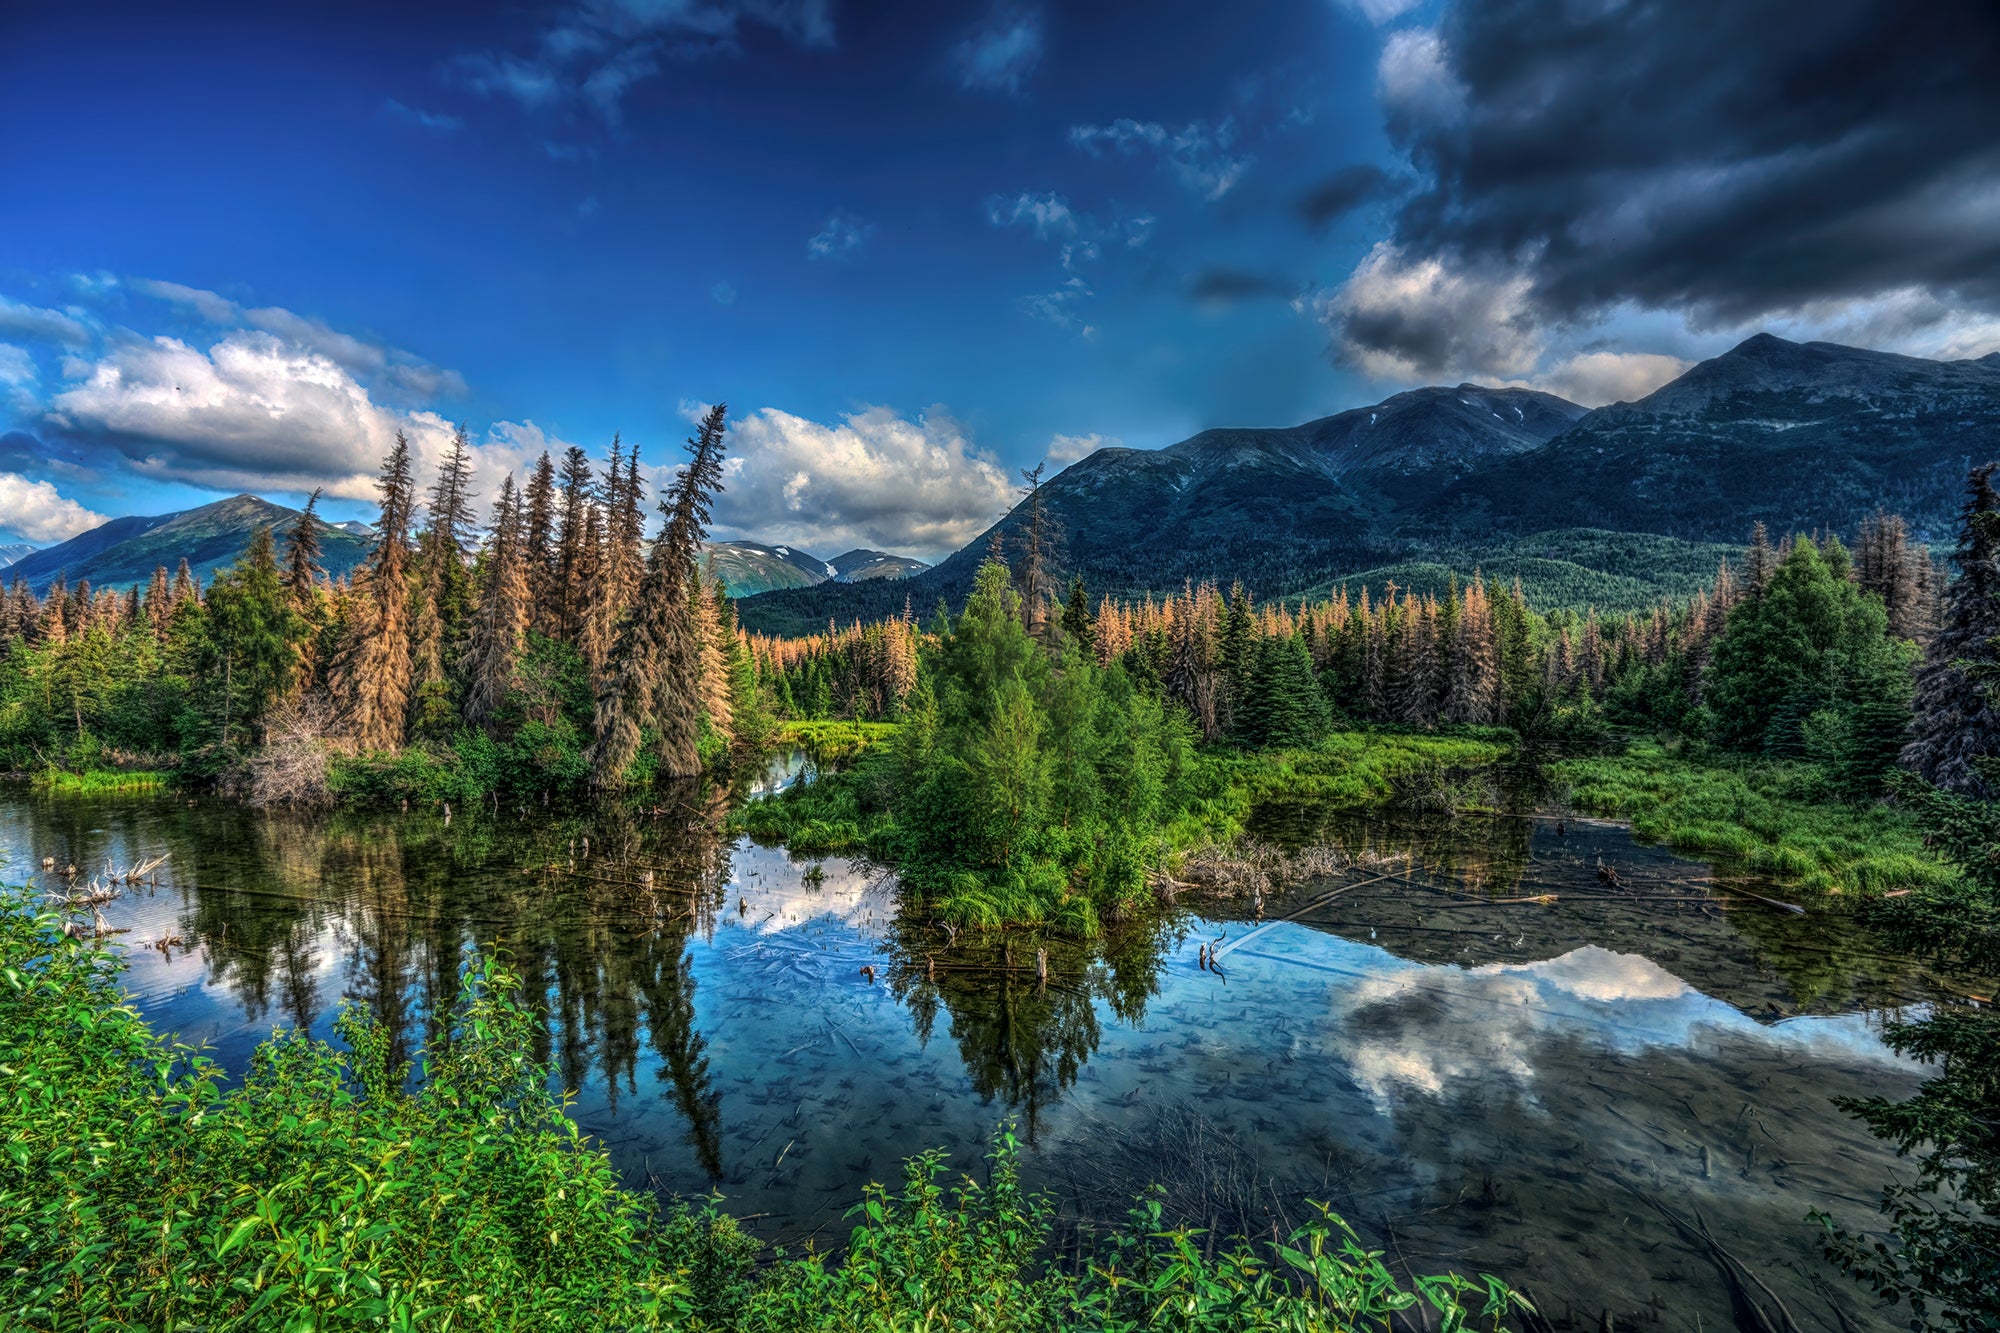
914 246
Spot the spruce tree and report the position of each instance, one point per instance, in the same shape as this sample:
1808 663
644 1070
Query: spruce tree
250 656
1077 621
654 672
538 500
501 620
1282 703
573 546
372 672
1956 723
302 547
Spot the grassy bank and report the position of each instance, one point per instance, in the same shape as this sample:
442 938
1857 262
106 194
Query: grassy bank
1777 818
1206 801
100 781
837 741
322 1192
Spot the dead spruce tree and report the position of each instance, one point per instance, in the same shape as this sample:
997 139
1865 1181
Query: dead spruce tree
654 676
500 623
372 673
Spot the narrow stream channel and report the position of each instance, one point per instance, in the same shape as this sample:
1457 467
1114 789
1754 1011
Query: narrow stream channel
1566 1094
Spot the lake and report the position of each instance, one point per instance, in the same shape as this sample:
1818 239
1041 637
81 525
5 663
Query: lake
1615 1095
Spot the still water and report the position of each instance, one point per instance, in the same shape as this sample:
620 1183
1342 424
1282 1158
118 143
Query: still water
1619 1100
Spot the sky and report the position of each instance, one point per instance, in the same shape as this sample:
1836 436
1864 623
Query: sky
916 247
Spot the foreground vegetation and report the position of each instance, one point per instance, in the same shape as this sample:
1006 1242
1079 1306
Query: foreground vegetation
1774 817
139 1191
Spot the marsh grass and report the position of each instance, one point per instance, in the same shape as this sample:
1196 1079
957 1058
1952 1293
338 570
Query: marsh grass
1776 818
99 781
847 811
832 741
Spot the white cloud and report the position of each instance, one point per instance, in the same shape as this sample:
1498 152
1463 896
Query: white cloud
33 511
41 325
1399 318
256 411
17 368
1048 215
17 378
1001 54
876 479
211 307
1067 449
404 372
1597 378
1415 82
1910 320
722 294
839 236
1199 155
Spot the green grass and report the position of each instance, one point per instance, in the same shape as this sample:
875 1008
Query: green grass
329 1191
835 740
1776 818
99 781
846 812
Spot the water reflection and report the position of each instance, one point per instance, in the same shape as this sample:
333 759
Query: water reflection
1477 1083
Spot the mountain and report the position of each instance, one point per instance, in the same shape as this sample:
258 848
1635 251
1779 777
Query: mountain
15 551
748 568
1612 507
1278 508
1799 436
125 551
861 564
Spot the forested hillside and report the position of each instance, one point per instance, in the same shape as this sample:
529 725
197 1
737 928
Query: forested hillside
1611 508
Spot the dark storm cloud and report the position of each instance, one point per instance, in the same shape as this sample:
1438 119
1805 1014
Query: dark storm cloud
1341 193
1728 159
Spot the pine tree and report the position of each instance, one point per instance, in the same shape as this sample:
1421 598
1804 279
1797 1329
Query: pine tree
1282 703
1077 621
250 656
302 547
1040 538
501 620
445 588
1472 690
574 552
159 601
538 499
372 673
1761 562
706 613
1956 723
655 668
187 588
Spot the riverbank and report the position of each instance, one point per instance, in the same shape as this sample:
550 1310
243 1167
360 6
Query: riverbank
324 1187
1774 818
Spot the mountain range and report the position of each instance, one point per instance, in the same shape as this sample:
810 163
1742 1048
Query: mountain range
1611 507
747 568
125 551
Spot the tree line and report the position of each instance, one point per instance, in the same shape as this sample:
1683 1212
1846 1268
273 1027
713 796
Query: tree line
553 649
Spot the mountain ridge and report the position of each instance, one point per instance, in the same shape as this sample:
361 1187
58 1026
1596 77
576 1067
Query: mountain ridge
123 552
1800 436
